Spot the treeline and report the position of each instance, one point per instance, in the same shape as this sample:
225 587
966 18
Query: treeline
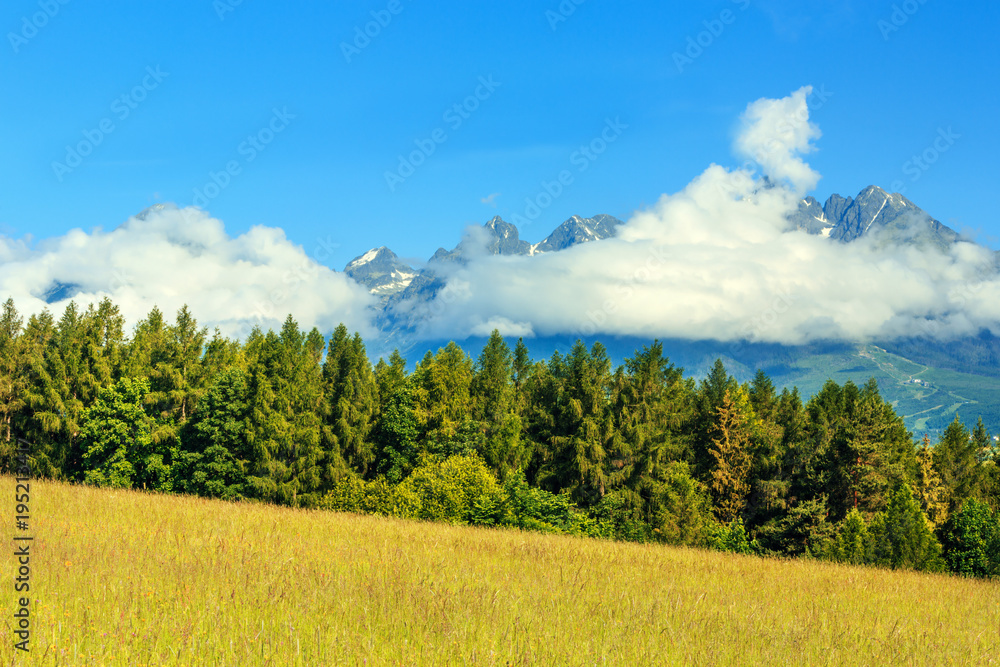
571 444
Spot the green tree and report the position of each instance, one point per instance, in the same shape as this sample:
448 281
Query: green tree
870 451
731 451
395 436
390 375
651 403
352 403
901 536
955 459
171 357
707 401
972 540
494 407
768 478
216 451
450 490
984 445
86 357
441 392
853 543
117 443
42 417
521 364
285 397
12 376
929 488
580 426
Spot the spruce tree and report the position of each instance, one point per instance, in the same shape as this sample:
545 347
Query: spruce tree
955 459
12 378
216 451
902 538
853 543
984 445
579 429
494 407
351 397
731 443
929 488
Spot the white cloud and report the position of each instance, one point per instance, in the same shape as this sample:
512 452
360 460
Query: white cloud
713 261
717 261
775 133
176 256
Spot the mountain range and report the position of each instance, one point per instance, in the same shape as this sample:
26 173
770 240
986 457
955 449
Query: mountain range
928 381
888 218
385 275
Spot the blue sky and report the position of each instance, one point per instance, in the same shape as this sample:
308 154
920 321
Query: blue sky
200 78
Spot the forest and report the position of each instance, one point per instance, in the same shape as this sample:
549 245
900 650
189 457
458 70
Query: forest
570 444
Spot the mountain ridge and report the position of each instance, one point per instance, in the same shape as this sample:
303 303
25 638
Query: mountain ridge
887 218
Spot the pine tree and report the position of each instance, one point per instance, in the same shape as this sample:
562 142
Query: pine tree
394 436
521 364
984 445
853 543
650 403
12 378
579 427
43 420
929 489
871 449
352 397
171 357
285 397
767 479
955 459
441 398
85 356
216 452
390 376
730 449
494 407
902 538
707 401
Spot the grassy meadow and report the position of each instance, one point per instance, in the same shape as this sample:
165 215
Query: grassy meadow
130 578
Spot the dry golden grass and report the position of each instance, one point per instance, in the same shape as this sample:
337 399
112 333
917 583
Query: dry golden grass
129 578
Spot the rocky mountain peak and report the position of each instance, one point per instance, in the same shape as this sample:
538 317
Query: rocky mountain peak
891 216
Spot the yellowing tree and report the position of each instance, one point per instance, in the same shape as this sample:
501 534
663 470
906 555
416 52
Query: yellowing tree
731 451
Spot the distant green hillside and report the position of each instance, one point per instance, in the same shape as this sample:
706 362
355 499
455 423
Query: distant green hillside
944 381
928 398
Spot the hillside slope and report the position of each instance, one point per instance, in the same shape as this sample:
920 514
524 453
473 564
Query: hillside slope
205 582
